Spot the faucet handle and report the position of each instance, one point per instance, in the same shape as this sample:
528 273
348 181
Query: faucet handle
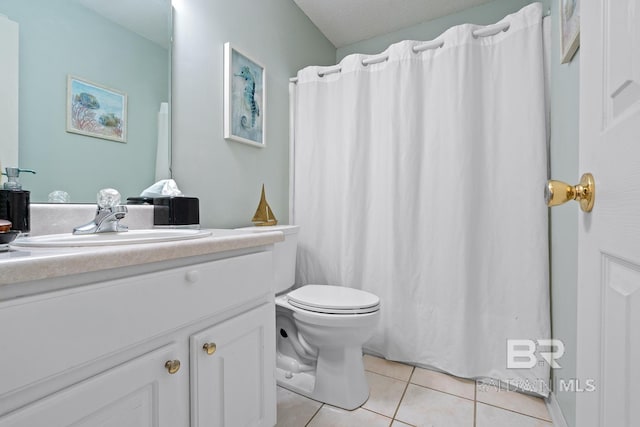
108 198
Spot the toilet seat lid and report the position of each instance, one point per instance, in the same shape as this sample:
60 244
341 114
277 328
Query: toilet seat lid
333 299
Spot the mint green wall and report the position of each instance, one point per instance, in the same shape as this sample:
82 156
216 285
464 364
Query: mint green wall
227 176
484 14
564 219
59 37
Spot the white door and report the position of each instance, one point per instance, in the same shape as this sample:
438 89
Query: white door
609 236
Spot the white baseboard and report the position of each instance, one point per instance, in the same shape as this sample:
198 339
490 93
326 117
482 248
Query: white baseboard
554 411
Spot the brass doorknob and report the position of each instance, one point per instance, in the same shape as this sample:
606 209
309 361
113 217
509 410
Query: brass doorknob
209 348
558 192
172 366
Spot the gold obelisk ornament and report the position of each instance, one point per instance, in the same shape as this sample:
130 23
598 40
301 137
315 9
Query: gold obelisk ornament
264 215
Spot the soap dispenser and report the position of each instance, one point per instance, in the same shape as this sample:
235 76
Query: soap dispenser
14 201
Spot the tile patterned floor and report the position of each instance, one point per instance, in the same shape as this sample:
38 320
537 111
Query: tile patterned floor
401 396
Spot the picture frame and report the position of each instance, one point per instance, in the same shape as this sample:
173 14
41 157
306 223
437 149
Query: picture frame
569 29
244 98
95 110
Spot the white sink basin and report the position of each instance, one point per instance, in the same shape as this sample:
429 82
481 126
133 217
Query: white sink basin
108 239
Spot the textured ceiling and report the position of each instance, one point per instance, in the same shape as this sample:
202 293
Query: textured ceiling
348 21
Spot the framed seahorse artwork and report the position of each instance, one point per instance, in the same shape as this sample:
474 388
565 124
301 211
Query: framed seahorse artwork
244 98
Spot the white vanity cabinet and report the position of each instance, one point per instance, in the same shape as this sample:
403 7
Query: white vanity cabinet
101 353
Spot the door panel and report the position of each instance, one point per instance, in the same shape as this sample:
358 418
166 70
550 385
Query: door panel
622 55
235 386
620 344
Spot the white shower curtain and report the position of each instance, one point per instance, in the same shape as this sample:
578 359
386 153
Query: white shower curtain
419 178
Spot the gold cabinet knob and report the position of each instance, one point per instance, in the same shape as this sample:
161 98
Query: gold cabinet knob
172 366
558 192
209 348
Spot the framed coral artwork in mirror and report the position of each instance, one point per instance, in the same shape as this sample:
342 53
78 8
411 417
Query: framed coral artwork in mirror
569 29
244 98
96 110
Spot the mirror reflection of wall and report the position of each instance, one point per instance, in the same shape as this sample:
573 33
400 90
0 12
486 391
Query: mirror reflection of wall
58 38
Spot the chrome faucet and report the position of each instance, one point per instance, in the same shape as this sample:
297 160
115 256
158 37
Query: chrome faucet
108 214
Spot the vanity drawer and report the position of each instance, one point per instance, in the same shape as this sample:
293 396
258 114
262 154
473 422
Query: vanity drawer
49 334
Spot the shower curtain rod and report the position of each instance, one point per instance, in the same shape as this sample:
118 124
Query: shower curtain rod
489 30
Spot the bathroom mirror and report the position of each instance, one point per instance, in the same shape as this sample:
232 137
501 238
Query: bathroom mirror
121 46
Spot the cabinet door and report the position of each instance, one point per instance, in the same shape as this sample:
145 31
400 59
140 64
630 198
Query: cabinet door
234 386
138 393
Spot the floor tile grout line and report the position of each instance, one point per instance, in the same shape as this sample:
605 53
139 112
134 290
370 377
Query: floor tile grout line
413 369
515 412
475 403
397 380
389 376
423 386
314 415
404 392
445 392
374 412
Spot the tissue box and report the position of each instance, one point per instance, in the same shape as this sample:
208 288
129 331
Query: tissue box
176 211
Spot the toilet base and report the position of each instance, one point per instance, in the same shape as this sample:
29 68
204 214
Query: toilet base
339 379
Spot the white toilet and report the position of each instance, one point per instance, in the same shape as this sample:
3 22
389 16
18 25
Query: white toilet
320 330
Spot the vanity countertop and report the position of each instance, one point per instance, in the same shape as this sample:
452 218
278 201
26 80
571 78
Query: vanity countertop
21 265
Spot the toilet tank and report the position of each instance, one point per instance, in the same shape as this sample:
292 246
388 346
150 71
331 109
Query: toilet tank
284 254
